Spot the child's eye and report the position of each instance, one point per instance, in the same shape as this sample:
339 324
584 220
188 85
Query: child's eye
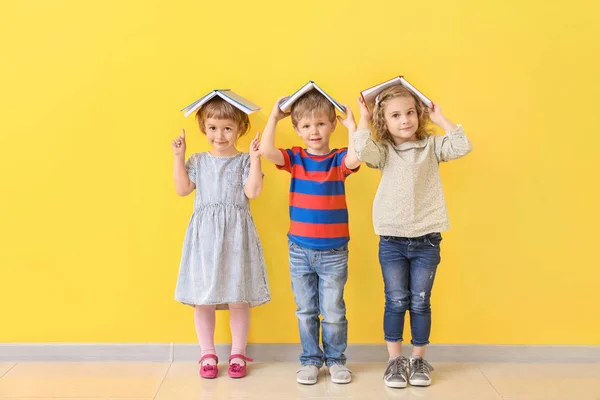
395 115
411 112
228 129
321 123
212 128
305 127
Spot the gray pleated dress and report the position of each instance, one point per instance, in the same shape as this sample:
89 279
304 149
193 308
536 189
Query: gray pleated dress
222 260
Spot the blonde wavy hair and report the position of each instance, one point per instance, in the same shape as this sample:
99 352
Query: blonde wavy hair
220 109
382 134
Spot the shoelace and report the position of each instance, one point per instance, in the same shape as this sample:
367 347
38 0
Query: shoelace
398 365
420 366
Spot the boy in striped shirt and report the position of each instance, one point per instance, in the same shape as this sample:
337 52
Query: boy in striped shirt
318 236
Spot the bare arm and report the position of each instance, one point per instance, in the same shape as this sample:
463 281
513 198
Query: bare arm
351 160
254 184
368 150
267 142
365 115
183 184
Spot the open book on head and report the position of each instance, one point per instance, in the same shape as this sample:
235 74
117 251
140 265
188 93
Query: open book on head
232 98
370 95
286 105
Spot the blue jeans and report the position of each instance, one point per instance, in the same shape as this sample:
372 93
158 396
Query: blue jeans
318 279
408 266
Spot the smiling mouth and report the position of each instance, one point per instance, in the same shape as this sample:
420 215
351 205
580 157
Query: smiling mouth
315 140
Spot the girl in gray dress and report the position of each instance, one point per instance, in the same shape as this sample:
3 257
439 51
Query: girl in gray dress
222 264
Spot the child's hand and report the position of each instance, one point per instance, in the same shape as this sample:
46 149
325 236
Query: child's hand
349 121
364 110
276 113
178 145
255 148
435 114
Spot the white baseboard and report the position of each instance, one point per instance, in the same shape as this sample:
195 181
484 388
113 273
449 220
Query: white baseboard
290 352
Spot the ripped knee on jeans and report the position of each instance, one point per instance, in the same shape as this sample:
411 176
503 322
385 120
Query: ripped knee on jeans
397 304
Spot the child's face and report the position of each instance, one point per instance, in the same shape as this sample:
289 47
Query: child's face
315 131
402 119
221 133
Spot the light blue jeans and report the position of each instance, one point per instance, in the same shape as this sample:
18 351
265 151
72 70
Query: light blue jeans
318 279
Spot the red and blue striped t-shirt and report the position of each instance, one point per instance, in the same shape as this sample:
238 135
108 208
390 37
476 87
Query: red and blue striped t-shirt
318 210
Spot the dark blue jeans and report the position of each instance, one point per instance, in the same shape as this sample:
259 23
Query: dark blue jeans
408 266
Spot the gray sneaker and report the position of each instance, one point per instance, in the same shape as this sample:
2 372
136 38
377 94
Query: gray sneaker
420 372
307 375
396 373
340 374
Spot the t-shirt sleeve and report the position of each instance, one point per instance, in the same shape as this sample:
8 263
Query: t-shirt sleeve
345 170
288 158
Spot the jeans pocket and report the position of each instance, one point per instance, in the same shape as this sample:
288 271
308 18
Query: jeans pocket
434 239
342 249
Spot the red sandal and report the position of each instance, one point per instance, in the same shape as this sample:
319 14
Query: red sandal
236 370
209 371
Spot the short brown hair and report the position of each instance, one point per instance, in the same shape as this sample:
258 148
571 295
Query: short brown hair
220 109
382 133
312 103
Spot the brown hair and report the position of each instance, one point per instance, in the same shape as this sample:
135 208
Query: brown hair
220 109
382 133
312 103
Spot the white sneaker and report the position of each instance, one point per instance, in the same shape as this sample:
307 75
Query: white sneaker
340 374
307 375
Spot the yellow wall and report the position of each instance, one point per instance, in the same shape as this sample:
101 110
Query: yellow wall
91 228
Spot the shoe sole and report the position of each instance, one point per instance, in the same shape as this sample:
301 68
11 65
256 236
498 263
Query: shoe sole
341 381
396 385
305 382
420 383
